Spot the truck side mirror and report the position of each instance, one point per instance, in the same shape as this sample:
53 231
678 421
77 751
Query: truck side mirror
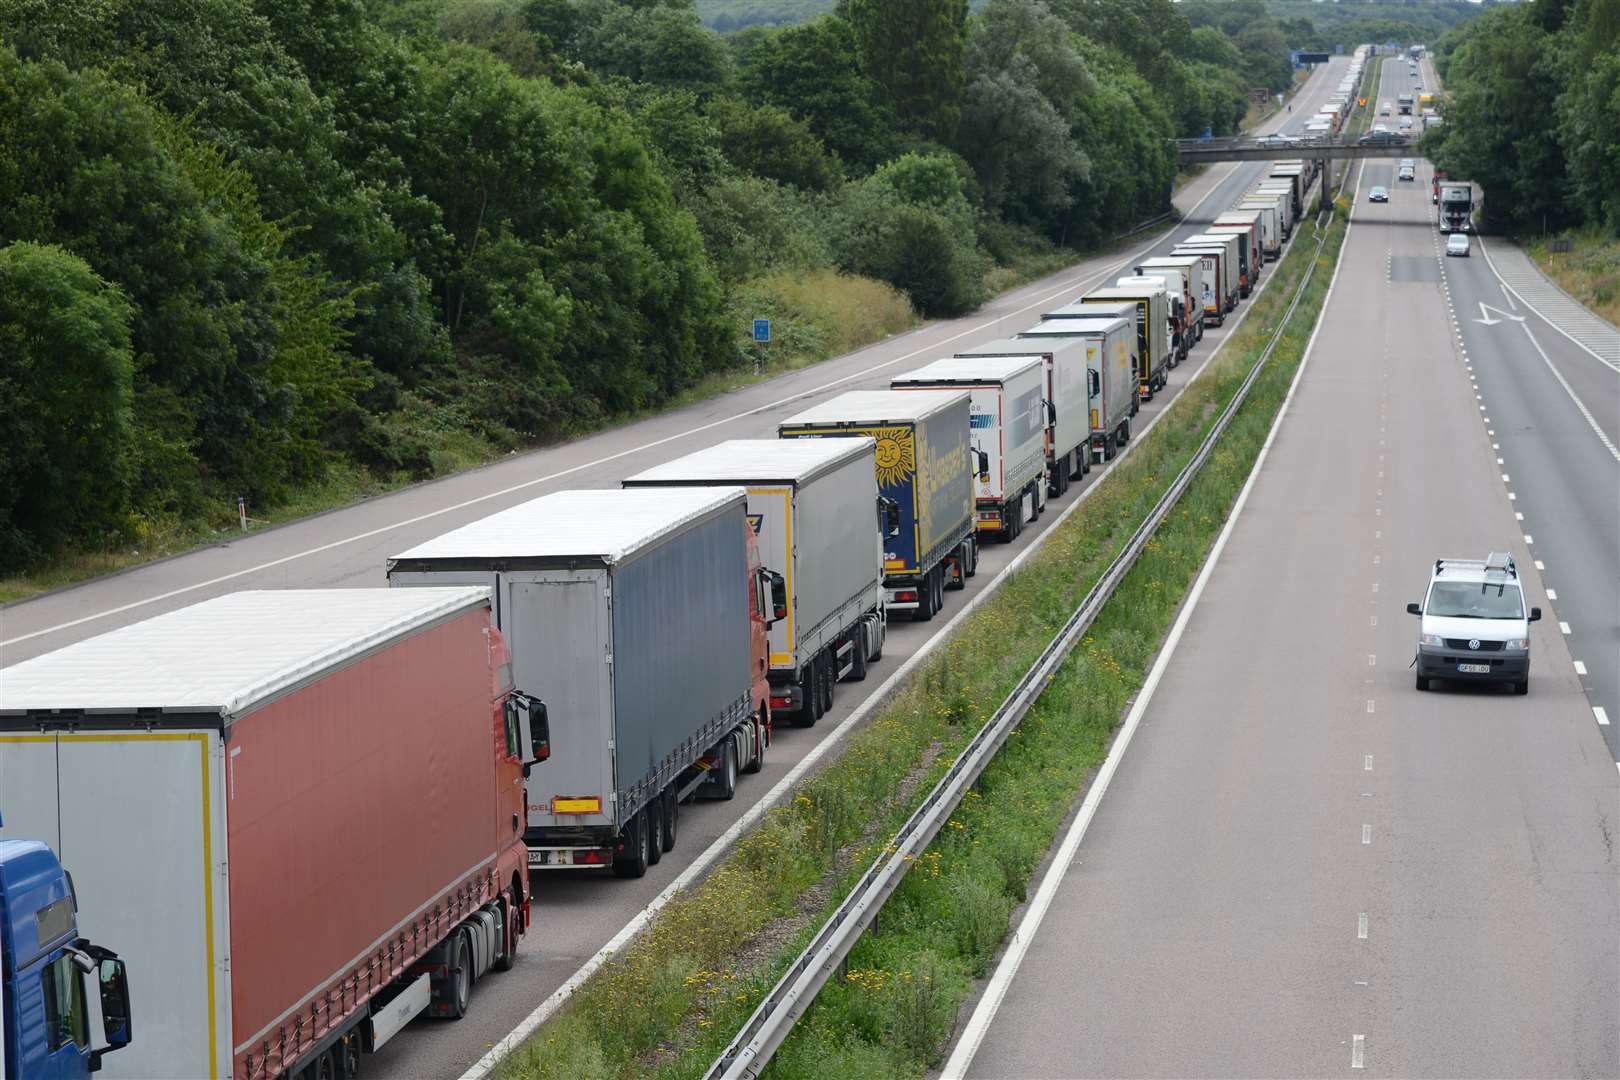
1535 614
539 730
984 465
779 599
1051 415
1414 609
1093 383
528 726
115 1018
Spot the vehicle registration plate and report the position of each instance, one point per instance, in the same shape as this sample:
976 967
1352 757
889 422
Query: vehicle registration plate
1474 669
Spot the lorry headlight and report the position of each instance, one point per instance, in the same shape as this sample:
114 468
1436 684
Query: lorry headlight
1516 643
1433 639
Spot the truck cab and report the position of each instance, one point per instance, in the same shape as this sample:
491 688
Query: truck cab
43 965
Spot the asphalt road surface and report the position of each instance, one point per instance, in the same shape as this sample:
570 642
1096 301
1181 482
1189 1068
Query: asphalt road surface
1304 866
577 912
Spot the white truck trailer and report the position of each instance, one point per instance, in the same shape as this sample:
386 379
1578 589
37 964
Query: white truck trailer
635 611
1271 237
813 504
1067 433
1211 284
1226 248
1179 277
1008 415
1244 255
1276 193
1109 341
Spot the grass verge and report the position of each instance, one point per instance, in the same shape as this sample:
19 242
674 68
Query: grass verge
668 1003
1589 271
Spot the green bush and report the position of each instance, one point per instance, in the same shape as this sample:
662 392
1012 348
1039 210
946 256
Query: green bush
65 389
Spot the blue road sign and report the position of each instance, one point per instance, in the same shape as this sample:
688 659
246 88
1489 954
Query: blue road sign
762 330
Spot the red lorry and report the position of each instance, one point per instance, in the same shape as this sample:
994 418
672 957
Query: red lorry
300 814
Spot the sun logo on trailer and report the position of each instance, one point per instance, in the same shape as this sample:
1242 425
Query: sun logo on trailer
896 454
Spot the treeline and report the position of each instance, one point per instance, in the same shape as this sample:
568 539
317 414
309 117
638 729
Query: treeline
1319 26
1532 113
248 244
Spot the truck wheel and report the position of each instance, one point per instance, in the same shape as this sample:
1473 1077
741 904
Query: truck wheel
459 992
925 599
857 663
972 546
810 711
728 769
1108 448
672 814
1124 431
632 861
829 676
507 960
655 830
758 761
959 579
877 653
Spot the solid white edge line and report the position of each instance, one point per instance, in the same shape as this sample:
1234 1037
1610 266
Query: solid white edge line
1580 667
1601 714
1511 292
1018 944
520 1034
1591 421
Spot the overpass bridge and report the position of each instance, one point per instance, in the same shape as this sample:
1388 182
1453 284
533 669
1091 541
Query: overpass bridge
1204 151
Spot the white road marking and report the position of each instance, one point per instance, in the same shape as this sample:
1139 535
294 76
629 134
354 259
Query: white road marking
1579 404
1361 926
1552 594
1528 539
1540 565
1497 446
1023 936
1512 497
1372 659
1366 834
1580 668
1505 479
1602 717
1369 705
1499 461
1357 1052
1563 627
1490 431
1511 293
1517 516
1374 620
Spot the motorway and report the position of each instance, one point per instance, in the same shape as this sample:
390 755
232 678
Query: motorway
1304 866
576 913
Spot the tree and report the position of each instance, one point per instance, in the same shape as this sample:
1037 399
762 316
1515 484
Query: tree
767 141
913 50
813 71
65 386
1025 81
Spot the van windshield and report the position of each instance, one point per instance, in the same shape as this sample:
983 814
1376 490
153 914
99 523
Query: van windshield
1474 600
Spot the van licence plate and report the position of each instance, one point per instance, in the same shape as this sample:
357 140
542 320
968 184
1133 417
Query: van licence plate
1474 669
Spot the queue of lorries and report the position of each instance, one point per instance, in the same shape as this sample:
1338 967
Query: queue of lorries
304 817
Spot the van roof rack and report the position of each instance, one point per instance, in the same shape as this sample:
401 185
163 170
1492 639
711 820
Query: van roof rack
1497 562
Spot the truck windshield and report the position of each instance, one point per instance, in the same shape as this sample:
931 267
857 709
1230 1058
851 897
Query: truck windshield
1474 600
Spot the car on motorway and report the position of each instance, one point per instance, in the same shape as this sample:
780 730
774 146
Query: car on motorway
1457 244
1474 624
1378 194
1406 172
1381 136
1277 139
1406 123
1383 109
